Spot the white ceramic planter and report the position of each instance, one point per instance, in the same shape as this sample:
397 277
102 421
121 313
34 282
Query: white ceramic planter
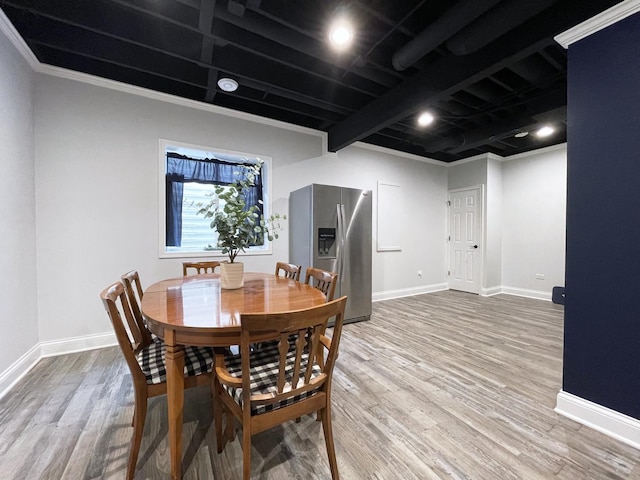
231 275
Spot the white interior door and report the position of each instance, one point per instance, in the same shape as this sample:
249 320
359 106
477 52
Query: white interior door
465 240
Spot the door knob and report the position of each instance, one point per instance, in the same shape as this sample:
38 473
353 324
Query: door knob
475 246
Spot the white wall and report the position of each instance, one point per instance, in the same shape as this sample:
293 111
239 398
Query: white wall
533 221
468 173
18 314
97 203
493 231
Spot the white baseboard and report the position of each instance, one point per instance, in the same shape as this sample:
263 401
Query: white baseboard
488 292
614 424
523 292
21 367
77 344
438 287
408 292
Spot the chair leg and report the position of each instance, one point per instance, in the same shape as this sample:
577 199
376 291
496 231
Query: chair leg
230 432
139 415
212 386
218 413
246 452
325 414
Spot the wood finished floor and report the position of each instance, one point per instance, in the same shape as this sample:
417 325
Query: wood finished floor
440 386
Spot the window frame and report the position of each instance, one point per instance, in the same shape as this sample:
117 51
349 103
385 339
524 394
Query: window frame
229 155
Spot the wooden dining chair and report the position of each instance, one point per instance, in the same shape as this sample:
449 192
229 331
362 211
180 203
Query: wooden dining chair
145 360
288 270
199 267
267 387
323 280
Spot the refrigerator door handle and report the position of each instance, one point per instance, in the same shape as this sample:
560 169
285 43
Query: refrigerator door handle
339 253
343 241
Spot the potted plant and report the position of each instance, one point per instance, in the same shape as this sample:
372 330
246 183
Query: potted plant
239 226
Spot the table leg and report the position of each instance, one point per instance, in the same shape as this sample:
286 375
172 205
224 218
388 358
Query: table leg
174 358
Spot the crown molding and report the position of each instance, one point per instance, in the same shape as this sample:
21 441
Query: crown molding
539 151
14 37
610 16
475 158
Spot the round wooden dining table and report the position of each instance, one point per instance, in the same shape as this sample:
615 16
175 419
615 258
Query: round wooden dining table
194 310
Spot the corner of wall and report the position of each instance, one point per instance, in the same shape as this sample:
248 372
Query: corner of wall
12 375
19 369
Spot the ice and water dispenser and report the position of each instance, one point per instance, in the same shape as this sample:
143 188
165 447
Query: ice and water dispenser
326 242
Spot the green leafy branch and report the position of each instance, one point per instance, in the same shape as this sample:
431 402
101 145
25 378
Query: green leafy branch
239 227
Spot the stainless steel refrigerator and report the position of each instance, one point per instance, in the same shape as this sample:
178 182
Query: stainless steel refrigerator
330 228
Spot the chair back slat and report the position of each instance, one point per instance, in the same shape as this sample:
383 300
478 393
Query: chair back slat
288 270
314 351
300 344
322 280
199 267
283 348
133 289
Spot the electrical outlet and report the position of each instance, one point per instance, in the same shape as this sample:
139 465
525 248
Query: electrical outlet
420 273
539 276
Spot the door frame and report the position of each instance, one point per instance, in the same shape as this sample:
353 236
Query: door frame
482 218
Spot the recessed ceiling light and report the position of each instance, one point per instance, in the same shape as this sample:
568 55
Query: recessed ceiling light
425 118
228 84
545 131
341 34
521 134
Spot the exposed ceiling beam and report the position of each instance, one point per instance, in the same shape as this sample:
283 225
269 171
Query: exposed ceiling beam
212 83
190 3
205 22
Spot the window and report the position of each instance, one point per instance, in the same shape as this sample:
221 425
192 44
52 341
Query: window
188 175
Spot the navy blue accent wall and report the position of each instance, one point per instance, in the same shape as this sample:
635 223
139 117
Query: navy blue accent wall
602 309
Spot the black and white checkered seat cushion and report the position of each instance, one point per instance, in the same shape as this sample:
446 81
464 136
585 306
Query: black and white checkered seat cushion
264 375
197 360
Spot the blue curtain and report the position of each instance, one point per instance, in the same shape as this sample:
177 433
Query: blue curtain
173 210
181 169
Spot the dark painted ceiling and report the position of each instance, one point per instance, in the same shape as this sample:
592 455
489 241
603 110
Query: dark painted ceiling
487 69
